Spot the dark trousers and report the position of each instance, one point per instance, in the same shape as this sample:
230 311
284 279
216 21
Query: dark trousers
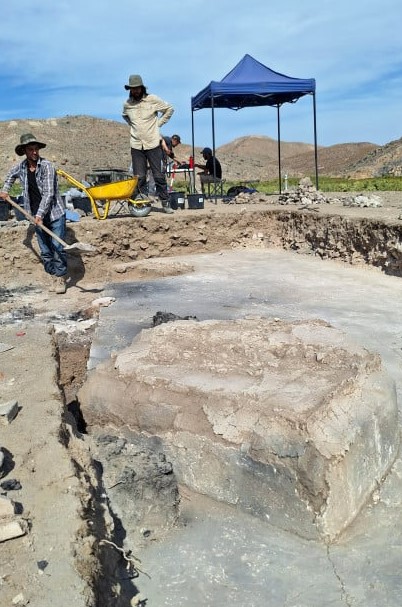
140 160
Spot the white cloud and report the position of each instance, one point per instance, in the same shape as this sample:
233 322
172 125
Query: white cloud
73 57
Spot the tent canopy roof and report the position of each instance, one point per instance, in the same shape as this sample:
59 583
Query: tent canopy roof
249 84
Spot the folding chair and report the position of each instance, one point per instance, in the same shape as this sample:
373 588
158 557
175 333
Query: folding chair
215 188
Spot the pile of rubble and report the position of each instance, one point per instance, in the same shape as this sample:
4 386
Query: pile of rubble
11 525
305 194
361 200
249 198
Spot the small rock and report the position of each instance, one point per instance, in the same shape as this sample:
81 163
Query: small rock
102 302
6 507
11 530
5 347
10 485
161 317
42 565
8 411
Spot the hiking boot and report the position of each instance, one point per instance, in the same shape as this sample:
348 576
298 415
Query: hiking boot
52 285
166 208
60 284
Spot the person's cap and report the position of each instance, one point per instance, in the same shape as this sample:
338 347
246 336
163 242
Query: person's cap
134 81
206 151
24 141
177 137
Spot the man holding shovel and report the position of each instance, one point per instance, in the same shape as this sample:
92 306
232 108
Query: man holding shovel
41 198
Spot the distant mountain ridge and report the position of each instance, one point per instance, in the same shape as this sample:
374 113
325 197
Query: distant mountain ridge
79 144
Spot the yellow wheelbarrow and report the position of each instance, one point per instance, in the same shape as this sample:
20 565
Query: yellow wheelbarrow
101 196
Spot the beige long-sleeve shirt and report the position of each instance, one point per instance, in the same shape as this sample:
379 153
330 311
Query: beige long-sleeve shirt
145 118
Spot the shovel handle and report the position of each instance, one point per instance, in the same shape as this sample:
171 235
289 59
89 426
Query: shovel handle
32 220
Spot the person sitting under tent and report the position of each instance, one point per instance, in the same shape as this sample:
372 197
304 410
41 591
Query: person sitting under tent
211 170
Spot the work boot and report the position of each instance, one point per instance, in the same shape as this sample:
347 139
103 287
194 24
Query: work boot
60 284
166 208
52 285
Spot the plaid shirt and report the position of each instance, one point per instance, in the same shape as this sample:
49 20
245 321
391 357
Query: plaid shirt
51 204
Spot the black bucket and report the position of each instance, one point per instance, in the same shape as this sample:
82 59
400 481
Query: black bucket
4 210
82 203
195 201
176 200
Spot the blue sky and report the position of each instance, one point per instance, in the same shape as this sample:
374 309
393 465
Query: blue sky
73 57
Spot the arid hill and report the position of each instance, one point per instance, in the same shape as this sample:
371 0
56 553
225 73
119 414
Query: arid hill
385 160
335 160
79 144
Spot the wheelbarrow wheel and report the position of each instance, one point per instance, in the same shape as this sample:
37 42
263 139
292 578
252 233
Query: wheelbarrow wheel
139 210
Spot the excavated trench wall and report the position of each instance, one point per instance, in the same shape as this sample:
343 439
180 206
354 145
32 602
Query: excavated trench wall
351 240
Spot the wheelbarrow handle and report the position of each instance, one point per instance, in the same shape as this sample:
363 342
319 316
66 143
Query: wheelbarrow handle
32 220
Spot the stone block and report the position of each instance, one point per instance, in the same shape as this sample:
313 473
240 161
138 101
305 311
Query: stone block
6 507
11 530
8 411
290 421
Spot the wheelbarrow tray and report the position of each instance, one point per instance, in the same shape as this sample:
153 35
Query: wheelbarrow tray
116 190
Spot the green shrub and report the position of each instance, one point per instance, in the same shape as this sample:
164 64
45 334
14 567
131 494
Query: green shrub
328 184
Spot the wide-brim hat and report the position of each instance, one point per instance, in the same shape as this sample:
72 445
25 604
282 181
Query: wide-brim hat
24 141
134 81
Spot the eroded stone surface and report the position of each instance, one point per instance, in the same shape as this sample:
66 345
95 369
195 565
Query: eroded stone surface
141 485
290 421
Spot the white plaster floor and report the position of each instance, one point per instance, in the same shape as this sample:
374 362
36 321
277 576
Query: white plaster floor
219 556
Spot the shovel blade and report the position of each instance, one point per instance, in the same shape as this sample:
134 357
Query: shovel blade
81 247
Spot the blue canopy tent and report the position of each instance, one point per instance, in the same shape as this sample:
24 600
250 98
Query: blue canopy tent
252 84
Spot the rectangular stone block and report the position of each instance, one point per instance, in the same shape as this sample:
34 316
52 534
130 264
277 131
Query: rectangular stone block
290 421
9 531
8 411
6 507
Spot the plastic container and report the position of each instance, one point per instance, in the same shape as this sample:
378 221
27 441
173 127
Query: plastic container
4 210
18 215
173 196
176 200
195 201
82 203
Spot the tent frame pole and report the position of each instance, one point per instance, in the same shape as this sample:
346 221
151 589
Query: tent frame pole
192 133
279 148
213 143
315 141
192 189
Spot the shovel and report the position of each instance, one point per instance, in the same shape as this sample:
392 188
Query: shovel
80 246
